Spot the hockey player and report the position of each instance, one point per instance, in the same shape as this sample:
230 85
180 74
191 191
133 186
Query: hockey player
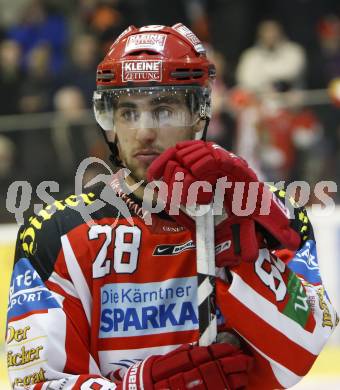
109 302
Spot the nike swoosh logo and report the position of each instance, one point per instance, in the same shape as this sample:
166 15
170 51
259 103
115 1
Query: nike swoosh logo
159 250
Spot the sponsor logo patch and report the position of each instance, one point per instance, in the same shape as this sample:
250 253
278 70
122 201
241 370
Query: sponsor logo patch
27 291
122 35
142 70
190 36
305 263
31 379
326 315
24 356
152 27
174 229
223 246
170 250
146 41
135 309
296 303
17 335
28 236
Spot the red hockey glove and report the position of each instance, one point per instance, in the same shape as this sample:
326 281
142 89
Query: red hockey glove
206 161
217 367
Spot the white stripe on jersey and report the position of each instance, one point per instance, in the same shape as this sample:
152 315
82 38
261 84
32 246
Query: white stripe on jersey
77 277
64 284
93 367
284 376
312 342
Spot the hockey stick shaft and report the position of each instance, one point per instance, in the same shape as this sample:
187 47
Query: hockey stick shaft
205 254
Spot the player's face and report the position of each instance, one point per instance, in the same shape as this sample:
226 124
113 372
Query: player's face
145 126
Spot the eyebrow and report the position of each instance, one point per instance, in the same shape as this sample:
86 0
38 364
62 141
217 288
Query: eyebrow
166 100
126 105
153 102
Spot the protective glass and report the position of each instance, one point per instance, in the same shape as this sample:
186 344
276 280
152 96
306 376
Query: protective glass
150 107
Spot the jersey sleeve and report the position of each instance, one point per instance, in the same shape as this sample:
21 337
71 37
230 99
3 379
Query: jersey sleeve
48 331
282 312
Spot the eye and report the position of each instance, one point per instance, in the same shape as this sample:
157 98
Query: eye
163 113
129 114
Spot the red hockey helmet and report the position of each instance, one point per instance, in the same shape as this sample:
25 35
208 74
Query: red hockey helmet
154 60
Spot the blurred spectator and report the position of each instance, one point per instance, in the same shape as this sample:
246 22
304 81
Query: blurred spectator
279 138
274 62
81 68
69 103
37 27
10 77
286 137
36 157
311 146
74 141
107 18
246 107
37 88
7 169
70 137
7 158
11 12
198 19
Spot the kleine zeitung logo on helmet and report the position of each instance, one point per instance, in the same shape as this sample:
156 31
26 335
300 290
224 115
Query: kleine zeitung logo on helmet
190 36
152 27
146 41
142 70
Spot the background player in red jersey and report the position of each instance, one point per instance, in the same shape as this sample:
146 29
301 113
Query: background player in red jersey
113 303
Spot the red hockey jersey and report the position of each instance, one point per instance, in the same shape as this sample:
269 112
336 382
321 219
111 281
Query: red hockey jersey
90 298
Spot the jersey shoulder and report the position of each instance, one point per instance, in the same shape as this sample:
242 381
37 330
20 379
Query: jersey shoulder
39 239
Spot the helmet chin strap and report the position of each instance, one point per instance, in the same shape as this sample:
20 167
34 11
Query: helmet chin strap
202 135
114 157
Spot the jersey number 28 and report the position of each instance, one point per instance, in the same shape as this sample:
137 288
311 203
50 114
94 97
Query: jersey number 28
125 251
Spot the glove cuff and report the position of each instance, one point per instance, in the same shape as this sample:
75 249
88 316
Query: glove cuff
138 376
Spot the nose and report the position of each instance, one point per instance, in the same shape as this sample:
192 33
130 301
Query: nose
146 131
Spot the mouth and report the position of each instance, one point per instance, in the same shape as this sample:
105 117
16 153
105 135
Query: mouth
146 156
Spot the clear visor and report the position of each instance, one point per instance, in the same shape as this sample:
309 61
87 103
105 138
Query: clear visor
150 107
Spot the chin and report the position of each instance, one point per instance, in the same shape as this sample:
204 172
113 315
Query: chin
141 176
138 172
138 175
